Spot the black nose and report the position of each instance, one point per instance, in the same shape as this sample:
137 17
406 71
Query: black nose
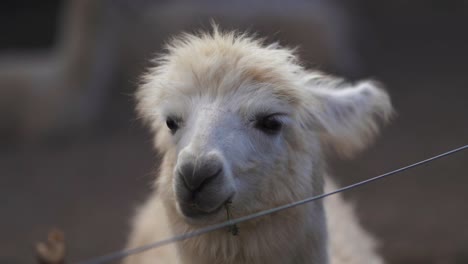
196 174
201 184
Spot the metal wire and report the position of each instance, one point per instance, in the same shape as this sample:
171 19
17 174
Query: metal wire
124 253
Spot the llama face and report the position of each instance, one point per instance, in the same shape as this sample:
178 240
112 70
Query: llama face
228 147
243 122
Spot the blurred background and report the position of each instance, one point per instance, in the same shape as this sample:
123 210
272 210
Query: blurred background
73 155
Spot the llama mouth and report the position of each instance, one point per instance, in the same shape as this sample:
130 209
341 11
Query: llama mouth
193 211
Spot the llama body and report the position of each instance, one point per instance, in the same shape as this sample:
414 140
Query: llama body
238 121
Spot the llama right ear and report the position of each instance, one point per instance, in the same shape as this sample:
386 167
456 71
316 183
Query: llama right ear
347 116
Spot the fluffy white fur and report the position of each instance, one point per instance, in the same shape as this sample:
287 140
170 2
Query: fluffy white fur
216 86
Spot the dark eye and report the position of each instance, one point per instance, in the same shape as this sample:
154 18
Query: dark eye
172 124
269 124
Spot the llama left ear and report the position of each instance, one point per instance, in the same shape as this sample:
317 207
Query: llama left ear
348 116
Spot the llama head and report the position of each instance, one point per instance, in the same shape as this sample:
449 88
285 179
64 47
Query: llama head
241 121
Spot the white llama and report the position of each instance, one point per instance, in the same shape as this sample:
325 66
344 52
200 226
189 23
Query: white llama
242 122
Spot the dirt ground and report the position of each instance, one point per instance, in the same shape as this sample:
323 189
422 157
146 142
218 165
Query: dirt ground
88 184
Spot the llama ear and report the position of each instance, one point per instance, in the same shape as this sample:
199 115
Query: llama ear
348 116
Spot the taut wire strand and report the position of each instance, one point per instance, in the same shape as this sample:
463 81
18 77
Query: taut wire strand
123 253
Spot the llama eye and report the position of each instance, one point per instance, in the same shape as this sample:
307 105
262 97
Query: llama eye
172 124
269 124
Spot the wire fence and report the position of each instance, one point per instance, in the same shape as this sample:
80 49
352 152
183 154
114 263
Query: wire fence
124 253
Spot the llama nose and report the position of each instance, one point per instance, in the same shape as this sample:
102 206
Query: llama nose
196 174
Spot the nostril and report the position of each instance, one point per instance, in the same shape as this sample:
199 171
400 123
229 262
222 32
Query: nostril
208 180
195 180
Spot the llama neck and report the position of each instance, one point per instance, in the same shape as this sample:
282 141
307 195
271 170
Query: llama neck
297 235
